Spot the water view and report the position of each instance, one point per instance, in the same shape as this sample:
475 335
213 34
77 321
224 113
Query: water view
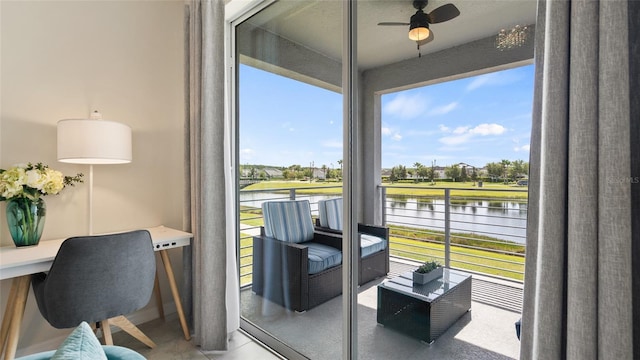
504 220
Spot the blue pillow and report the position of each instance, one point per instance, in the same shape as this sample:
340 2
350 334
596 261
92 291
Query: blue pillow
82 344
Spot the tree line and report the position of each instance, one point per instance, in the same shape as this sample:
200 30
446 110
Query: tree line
505 170
294 172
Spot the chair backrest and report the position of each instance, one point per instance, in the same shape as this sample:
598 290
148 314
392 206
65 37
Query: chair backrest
94 278
288 220
330 213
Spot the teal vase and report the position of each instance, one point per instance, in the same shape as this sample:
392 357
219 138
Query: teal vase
25 218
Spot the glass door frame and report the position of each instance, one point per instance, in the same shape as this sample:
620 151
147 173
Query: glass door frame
236 13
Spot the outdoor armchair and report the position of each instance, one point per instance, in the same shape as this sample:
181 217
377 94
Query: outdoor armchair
373 240
293 265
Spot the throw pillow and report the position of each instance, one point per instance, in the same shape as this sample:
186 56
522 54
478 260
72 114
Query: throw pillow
82 344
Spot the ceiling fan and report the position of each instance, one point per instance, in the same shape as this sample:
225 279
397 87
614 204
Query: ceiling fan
419 22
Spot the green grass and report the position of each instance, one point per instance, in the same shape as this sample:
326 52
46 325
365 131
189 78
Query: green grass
462 239
459 190
488 262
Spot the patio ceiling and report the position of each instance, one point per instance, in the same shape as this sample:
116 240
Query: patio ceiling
317 26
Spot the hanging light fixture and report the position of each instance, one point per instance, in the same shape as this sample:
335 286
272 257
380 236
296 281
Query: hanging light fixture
509 39
419 26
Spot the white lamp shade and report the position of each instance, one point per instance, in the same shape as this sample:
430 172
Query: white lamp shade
87 141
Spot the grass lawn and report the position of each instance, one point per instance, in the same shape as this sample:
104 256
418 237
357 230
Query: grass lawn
503 265
466 190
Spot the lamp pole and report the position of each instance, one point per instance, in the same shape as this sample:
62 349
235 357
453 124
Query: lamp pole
311 172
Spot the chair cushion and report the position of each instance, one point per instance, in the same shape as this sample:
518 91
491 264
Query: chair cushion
322 213
322 257
333 213
288 220
370 244
81 344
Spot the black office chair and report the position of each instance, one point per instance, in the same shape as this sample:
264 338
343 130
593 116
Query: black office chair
98 279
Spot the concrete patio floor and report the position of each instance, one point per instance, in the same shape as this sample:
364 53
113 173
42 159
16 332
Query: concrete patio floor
486 332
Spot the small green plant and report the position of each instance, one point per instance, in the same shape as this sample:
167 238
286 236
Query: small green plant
428 266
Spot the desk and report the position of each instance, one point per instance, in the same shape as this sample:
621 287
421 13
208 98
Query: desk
19 263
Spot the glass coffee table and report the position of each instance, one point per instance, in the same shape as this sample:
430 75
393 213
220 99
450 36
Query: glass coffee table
424 311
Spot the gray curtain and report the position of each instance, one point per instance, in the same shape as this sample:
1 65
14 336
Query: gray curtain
204 75
582 273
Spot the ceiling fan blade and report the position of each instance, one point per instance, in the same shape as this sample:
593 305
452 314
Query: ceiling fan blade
427 40
443 13
393 24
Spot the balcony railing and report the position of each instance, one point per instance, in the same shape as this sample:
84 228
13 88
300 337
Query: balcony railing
475 229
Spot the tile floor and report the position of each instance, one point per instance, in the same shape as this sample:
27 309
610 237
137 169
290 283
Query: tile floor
172 345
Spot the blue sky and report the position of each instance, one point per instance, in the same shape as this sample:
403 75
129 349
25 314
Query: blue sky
474 120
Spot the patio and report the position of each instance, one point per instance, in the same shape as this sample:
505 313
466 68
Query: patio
487 332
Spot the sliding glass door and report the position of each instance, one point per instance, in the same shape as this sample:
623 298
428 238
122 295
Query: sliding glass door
289 107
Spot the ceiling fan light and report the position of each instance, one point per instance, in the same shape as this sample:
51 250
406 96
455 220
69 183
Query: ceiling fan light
419 33
419 26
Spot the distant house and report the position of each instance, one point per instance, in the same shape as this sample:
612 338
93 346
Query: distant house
319 174
273 173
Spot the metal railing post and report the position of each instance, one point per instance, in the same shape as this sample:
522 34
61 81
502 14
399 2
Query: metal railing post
292 194
447 227
383 205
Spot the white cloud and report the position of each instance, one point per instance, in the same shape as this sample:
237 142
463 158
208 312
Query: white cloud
392 133
246 154
406 106
463 134
524 148
461 130
496 78
444 109
443 128
488 129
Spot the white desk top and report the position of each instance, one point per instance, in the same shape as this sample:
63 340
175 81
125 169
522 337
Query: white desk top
16 261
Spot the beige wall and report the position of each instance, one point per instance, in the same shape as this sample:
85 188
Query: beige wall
63 59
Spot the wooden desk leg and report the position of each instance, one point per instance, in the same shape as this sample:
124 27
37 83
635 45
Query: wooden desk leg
15 311
156 290
6 319
175 293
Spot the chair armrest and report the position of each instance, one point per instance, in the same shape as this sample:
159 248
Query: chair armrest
375 230
330 239
280 271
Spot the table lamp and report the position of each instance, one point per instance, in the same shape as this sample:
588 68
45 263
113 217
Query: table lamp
93 141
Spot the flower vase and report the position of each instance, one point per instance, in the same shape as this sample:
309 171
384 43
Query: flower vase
25 218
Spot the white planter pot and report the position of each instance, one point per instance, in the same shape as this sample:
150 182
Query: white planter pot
420 278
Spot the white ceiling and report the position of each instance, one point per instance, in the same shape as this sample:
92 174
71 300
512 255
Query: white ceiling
318 25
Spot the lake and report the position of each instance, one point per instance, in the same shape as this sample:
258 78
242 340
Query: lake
506 220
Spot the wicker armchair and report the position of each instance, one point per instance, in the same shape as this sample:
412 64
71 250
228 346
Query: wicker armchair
374 240
293 265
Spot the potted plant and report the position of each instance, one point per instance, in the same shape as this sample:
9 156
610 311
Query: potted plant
427 272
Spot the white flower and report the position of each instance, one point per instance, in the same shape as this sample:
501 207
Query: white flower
32 181
54 182
35 179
